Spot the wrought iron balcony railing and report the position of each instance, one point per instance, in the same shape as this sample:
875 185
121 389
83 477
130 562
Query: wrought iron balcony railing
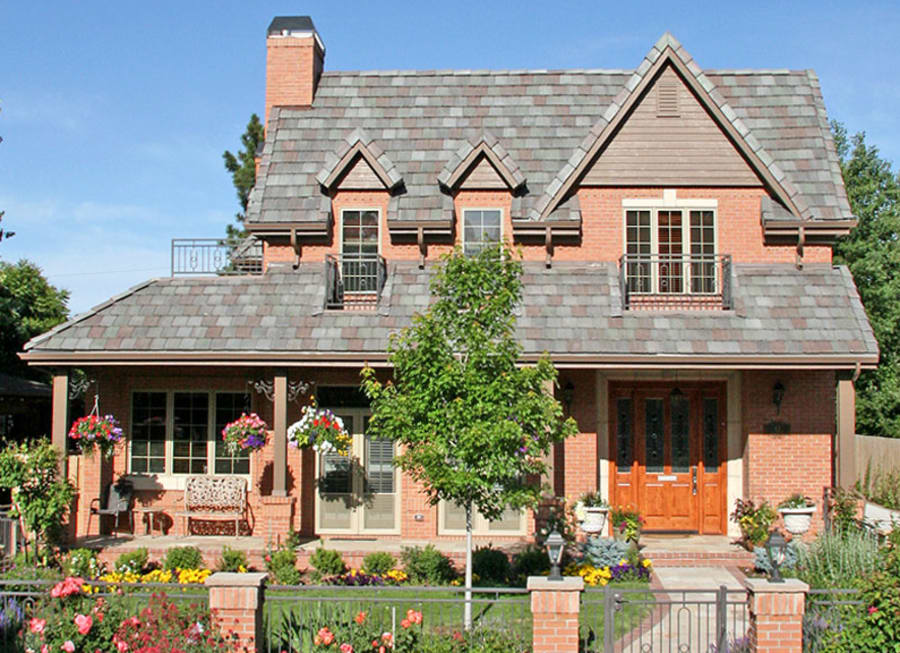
354 280
675 281
216 256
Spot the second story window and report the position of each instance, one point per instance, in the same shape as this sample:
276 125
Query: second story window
481 228
359 250
670 251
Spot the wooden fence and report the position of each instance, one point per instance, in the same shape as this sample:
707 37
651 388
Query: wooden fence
883 454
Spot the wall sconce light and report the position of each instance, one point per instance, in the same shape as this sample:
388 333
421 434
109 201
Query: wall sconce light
568 394
778 396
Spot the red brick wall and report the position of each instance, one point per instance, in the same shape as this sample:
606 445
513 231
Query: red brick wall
739 227
575 471
777 466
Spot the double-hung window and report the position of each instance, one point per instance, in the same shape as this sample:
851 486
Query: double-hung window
670 251
359 250
179 433
481 228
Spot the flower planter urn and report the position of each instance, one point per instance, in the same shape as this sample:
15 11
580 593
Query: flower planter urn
797 520
594 519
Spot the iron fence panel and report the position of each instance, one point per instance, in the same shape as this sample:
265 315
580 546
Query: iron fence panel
293 615
827 613
625 620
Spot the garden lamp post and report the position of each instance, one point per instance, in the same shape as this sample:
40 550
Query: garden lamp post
776 548
555 545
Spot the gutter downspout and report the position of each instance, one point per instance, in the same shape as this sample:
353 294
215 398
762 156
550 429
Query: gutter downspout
295 245
801 241
548 243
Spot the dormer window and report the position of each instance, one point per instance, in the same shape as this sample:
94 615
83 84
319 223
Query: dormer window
481 228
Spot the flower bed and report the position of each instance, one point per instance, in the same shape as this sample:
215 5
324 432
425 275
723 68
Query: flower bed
601 576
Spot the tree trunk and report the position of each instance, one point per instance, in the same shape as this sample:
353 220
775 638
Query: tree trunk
467 615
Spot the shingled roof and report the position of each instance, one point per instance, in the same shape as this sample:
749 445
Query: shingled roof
572 311
422 120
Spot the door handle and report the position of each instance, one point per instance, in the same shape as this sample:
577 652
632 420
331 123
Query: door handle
694 480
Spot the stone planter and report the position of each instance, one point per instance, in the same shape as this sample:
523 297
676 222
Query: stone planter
594 519
880 518
796 520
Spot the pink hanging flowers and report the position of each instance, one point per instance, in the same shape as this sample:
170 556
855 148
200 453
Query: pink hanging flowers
246 433
95 432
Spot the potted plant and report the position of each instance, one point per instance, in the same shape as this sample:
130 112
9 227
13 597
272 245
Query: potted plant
592 511
627 524
320 429
754 521
246 433
797 511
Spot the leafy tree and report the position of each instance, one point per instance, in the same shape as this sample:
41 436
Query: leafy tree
41 496
242 167
29 306
872 253
473 426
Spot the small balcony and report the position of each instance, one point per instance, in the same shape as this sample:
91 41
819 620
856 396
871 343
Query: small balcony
354 282
216 256
675 281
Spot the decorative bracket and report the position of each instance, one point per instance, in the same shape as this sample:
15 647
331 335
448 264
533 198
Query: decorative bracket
78 387
267 388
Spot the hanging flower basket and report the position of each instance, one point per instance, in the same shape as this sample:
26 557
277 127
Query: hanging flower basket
320 429
94 432
246 433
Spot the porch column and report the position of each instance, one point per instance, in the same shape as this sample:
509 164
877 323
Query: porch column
60 422
555 605
236 603
776 614
845 466
279 462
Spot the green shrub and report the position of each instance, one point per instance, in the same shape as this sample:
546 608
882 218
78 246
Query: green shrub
133 561
427 566
378 563
326 562
792 554
491 566
532 561
232 560
838 559
183 557
604 551
843 509
282 566
82 563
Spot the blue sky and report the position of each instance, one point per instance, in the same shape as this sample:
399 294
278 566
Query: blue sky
115 114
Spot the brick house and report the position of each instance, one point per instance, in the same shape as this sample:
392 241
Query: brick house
676 225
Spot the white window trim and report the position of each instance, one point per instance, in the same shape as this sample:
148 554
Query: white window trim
169 480
360 209
669 203
480 525
462 224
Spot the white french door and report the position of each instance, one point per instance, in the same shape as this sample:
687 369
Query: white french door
359 492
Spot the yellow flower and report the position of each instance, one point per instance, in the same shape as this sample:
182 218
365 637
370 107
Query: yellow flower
242 569
647 562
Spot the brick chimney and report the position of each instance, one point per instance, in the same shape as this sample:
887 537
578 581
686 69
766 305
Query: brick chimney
295 56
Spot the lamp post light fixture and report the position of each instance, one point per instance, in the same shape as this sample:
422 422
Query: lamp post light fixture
555 546
776 549
778 396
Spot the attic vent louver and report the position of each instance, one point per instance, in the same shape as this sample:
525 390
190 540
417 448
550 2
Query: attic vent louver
667 100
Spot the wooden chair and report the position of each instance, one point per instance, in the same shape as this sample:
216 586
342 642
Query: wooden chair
115 502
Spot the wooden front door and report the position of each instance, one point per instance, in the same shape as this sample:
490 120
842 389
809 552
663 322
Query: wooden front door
667 444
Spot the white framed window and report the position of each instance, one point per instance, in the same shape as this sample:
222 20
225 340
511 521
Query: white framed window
670 247
452 521
360 245
481 228
179 433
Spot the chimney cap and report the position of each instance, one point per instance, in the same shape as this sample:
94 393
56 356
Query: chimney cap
290 24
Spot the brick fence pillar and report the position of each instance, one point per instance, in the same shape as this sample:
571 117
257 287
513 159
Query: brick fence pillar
554 611
776 614
236 603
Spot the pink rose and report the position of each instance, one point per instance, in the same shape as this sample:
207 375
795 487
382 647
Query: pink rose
37 625
84 623
68 646
346 648
45 649
122 646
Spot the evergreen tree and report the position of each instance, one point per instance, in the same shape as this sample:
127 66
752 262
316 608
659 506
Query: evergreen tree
242 167
872 253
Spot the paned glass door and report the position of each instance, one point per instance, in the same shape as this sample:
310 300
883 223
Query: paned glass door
357 492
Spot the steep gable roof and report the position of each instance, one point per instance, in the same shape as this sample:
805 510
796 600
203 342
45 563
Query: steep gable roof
489 147
358 144
668 52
